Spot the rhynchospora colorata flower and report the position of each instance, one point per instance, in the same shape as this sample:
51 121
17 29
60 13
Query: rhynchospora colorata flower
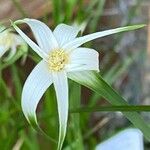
9 41
61 53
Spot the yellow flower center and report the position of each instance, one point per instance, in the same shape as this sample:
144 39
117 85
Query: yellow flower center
57 60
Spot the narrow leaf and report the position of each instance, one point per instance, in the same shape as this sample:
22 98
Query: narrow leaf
112 108
96 83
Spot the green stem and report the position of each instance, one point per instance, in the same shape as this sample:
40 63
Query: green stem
130 108
76 93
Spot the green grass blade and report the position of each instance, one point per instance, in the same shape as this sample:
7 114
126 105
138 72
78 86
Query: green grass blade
131 108
57 11
96 83
98 13
69 7
75 93
16 81
115 72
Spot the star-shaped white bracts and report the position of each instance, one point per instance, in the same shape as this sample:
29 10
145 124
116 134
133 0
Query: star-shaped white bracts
61 53
9 40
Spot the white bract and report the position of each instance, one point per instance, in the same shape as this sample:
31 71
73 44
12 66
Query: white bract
61 53
9 41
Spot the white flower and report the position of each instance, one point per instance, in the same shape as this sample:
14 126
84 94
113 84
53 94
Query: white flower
61 54
9 40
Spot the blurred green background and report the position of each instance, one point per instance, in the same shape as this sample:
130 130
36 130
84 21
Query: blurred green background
124 64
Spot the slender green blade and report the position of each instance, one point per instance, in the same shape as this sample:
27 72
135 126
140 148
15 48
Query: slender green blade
115 72
131 108
97 15
96 83
75 96
58 14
